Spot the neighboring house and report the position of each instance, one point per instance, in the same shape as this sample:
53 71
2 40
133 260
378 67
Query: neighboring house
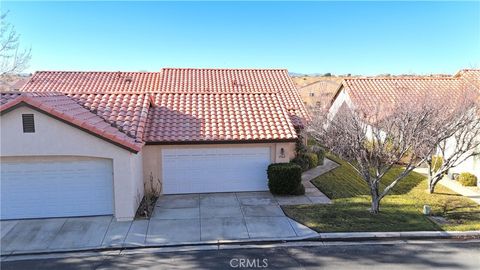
378 94
472 164
84 143
319 94
13 82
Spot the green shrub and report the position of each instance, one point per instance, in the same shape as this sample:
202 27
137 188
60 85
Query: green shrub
320 153
467 179
437 162
302 161
300 190
312 160
311 142
284 178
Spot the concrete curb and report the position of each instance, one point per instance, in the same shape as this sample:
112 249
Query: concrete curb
215 243
348 236
320 237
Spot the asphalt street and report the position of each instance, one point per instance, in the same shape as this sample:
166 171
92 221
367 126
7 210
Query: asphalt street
399 255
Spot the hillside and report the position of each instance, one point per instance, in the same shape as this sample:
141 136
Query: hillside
305 80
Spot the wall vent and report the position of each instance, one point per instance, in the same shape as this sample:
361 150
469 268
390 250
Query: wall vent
28 123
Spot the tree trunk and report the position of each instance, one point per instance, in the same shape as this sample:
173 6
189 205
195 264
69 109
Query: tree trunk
375 208
431 184
431 187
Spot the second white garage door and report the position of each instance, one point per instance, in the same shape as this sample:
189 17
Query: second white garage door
202 170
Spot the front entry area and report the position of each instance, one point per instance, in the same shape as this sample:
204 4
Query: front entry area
215 169
41 187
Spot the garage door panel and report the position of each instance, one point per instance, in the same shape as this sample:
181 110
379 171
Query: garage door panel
56 189
194 170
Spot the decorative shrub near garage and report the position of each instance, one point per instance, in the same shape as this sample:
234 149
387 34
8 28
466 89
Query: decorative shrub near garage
285 179
467 179
302 161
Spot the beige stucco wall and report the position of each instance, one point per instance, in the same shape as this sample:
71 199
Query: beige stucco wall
342 100
55 138
319 93
152 154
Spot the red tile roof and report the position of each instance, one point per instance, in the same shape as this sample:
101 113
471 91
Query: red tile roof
67 109
127 112
196 80
371 93
470 75
93 82
123 99
192 80
217 117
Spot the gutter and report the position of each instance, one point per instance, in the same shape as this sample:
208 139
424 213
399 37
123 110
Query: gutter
219 244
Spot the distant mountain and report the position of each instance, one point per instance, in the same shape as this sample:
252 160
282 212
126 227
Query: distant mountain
294 74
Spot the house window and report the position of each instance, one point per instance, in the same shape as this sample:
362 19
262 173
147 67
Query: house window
28 123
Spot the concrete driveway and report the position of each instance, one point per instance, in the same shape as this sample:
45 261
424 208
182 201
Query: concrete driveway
221 216
177 219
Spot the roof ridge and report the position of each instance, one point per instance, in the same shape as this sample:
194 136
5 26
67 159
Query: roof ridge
107 93
92 71
401 78
214 93
192 68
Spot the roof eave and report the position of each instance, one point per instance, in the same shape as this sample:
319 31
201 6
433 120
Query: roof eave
219 141
22 101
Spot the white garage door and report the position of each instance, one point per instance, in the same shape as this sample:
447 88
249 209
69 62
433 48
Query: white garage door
200 170
56 188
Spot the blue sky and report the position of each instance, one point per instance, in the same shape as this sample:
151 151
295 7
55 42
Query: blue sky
308 37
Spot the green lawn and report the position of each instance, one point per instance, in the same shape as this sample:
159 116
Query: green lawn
399 211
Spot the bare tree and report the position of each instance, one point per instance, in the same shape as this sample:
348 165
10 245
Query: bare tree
461 140
13 59
376 138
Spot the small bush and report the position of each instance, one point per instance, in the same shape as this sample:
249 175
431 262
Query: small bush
467 179
152 189
312 142
302 161
320 153
284 178
312 160
437 162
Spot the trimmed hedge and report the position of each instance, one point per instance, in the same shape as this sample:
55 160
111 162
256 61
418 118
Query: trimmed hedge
300 190
284 178
467 179
302 161
312 160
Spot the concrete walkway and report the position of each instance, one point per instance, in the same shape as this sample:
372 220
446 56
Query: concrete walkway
472 193
311 174
312 194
